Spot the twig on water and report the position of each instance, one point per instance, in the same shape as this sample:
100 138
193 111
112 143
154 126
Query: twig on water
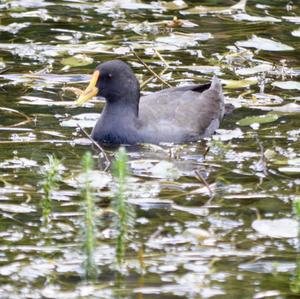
66 89
162 59
75 90
206 152
256 210
150 70
200 177
95 144
161 73
27 118
5 70
16 112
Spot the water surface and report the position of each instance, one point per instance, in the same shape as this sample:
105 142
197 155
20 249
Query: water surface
186 243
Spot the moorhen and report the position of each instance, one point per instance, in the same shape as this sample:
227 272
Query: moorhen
175 115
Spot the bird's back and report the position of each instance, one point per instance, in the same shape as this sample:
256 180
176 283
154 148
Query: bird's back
182 114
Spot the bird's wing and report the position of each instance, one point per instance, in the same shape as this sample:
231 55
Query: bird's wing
189 110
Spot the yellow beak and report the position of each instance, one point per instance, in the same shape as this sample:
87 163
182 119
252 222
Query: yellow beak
90 91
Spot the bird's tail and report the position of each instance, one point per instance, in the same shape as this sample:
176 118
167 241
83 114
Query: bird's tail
216 84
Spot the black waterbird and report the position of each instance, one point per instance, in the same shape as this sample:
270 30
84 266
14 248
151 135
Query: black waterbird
176 115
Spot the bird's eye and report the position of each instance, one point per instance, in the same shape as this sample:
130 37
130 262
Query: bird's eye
109 75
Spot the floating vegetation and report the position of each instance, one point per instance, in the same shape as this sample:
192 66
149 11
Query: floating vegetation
295 19
256 19
2 65
277 228
180 40
44 52
125 220
203 69
290 169
261 119
287 85
296 33
155 27
226 135
89 225
234 84
261 68
14 27
287 108
77 60
203 10
86 120
264 44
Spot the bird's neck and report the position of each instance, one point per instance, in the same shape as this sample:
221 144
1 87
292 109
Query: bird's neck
124 102
127 112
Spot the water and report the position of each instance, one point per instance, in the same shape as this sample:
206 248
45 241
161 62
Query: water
190 240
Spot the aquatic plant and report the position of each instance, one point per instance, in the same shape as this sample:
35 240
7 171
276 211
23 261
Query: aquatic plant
296 203
51 174
295 280
125 219
88 205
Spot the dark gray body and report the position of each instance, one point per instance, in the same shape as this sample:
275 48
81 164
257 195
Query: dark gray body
178 115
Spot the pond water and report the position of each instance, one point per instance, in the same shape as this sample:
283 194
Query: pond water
228 232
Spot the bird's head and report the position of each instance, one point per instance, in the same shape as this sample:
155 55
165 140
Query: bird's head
113 80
